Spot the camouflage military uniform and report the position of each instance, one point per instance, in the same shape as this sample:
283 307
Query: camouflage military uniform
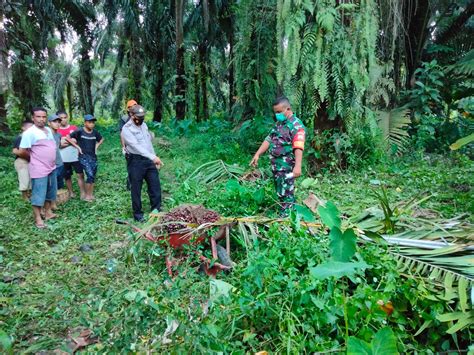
284 138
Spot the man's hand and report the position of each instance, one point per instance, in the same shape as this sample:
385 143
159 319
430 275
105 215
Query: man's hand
158 162
79 150
296 171
254 161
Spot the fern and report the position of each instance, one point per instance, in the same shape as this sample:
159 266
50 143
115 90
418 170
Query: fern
330 59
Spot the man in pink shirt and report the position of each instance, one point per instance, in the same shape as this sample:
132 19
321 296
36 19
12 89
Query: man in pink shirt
39 147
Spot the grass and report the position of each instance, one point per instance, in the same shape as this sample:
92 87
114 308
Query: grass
48 286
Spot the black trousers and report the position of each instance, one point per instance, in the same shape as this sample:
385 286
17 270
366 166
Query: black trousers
139 169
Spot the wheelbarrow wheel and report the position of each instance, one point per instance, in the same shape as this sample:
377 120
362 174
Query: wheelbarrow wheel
224 261
223 256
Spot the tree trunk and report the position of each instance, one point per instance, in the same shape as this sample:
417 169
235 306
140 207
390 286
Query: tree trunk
417 15
3 77
69 98
203 76
180 70
85 69
322 123
136 65
159 82
397 71
231 72
197 95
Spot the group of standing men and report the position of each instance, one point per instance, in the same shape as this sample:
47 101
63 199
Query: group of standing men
53 153
47 152
50 149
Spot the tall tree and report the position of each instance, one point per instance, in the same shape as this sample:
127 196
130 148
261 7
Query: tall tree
158 39
255 57
3 74
180 90
416 17
85 73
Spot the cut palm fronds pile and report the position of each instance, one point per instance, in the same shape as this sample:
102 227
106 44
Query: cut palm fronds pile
214 171
444 243
438 252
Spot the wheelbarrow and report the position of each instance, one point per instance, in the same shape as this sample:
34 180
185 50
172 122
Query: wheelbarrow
178 240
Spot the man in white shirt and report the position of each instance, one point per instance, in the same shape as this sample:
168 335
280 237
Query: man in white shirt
142 162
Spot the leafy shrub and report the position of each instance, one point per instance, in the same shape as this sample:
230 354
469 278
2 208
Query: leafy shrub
336 150
439 118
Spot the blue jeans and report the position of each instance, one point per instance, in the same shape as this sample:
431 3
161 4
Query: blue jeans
43 189
60 176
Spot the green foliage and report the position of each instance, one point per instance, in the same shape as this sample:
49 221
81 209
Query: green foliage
255 52
440 104
252 132
337 269
342 245
323 59
390 214
462 142
394 124
283 295
330 215
246 199
335 150
383 343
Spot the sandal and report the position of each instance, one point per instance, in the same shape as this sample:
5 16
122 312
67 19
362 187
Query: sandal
41 225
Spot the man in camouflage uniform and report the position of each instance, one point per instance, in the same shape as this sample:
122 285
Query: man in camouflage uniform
286 143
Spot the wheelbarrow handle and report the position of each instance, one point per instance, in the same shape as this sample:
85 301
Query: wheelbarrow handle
146 235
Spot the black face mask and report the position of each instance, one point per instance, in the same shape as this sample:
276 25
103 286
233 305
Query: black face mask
138 120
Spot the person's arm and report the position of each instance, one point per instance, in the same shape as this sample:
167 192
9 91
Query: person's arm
99 140
298 161
16 145
130 140
23 153
97 144
298 147
25 146
263 148
71 139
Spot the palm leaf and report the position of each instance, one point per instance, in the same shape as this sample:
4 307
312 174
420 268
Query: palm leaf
393 125
464 66
462 142
213 171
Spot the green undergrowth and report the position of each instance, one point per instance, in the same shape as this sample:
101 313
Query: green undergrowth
119 288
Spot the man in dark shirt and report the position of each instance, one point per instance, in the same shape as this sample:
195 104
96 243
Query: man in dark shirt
88 141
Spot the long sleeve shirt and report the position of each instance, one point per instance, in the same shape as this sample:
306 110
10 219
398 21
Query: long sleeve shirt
137 140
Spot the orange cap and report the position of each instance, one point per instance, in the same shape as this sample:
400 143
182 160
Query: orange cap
131 103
